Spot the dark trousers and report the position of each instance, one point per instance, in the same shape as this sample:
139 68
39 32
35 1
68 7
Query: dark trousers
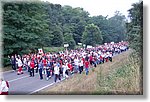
103 60
36 69
110 58
67 72
48 72
13 66
57 76
80 69
32 72
40 73
28 68
95 64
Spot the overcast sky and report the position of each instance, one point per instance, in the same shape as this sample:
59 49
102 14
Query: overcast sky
99 7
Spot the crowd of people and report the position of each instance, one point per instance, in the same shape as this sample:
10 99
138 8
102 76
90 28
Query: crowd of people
65 63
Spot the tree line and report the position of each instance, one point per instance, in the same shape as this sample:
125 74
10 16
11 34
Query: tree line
135 28
29 25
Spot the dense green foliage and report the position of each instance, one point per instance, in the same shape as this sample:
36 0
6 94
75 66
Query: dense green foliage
135 28
135 37
92 35
28 26
113 29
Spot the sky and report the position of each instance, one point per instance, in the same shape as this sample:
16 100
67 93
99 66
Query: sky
99 7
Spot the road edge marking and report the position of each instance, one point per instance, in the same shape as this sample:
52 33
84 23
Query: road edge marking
45 87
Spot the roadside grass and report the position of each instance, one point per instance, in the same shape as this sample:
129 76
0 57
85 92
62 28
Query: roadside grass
122 76
8 68
123 80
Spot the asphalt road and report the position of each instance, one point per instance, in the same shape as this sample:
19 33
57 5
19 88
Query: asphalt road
23 84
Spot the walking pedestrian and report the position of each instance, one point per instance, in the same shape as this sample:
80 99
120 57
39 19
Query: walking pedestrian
40 66
20 64
65 70
4 87
87 67
13 63
80 65
56 72
32 65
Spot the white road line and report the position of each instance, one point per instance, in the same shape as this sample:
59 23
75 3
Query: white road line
20 78
44 87
41 88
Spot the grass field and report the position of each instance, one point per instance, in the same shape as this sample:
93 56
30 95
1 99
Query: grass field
122 76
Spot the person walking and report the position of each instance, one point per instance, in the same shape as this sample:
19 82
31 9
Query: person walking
32 65
36 64
65 70
56 72
13 63
44 61
40 66
48 67
4 87
20 64
87 67
70 67
76 64
80 65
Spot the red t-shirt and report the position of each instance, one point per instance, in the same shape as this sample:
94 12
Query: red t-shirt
60 61
44 62
101 57
70 66
91 58
32 64
86 64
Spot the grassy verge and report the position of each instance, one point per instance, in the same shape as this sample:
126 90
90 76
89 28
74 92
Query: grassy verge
8 68
121 76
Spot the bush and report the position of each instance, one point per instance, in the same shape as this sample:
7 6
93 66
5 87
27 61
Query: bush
53 49
6 61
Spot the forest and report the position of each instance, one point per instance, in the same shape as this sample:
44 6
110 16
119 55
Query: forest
29 26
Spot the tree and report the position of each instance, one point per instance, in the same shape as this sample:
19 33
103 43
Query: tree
68 38
135 28
24 27
74 21
58 37
118 27
112 29
92 35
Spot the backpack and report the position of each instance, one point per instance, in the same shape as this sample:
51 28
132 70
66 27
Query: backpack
7 84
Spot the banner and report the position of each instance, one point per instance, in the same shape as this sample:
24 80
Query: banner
40 51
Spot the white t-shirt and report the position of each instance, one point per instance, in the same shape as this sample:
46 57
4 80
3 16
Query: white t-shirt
56 69
65 67
24 61
81 63
19 63
76 61
3 86
110 55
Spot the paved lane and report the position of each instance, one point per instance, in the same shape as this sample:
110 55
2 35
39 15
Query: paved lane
23 84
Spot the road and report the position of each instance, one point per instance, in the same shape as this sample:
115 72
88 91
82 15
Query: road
24 85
